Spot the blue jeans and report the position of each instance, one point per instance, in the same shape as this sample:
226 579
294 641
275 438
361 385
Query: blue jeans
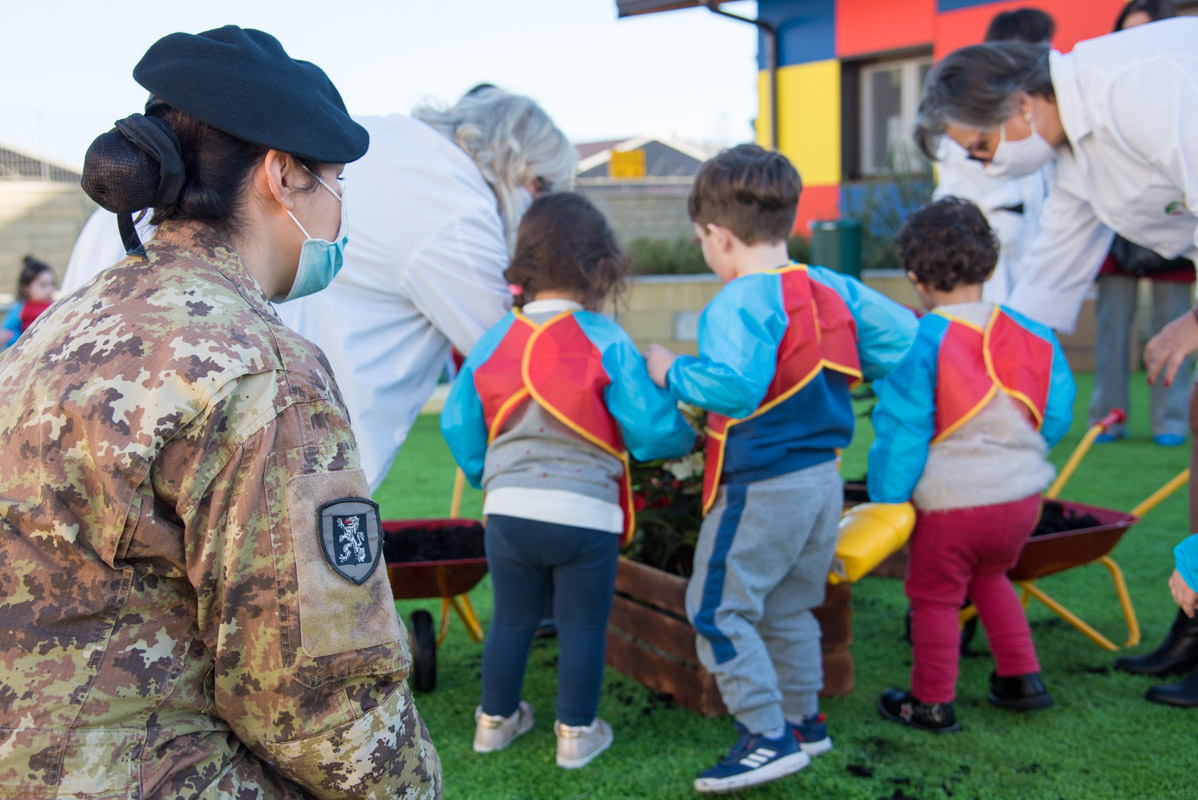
527 560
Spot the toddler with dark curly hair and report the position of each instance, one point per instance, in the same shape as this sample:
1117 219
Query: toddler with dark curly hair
962 426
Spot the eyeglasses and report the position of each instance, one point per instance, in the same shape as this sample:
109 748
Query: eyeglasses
541 186
979 144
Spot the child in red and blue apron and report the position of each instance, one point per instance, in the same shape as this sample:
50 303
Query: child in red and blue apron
542 416
35 293
963 426
779 348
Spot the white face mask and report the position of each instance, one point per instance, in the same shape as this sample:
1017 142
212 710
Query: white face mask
1022 157
320 259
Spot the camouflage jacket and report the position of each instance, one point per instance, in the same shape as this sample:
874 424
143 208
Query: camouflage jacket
176 614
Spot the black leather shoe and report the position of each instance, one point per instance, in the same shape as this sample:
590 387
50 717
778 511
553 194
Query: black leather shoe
900 706
1019 692
1178 654
1183 694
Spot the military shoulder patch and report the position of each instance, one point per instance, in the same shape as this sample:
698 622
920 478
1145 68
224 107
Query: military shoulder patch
350 537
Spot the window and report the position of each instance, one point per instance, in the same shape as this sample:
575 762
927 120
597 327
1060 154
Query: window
890 94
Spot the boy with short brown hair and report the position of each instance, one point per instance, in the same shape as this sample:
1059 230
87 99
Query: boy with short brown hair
779 348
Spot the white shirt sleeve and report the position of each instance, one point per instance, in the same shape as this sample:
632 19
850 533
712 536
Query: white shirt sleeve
1051 280
456 279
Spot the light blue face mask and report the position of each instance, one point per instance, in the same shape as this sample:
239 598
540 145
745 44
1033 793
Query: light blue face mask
320 260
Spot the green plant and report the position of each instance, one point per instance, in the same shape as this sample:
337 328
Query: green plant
668 500
799 249
683 256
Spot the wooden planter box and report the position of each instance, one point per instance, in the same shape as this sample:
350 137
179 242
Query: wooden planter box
650 640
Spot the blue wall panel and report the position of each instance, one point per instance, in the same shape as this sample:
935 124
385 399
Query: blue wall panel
953 5
806 30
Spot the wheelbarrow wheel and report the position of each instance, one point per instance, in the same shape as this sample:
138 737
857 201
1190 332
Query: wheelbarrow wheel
968 630
424 651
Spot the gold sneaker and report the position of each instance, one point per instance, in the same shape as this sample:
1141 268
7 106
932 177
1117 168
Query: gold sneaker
493 732
577 745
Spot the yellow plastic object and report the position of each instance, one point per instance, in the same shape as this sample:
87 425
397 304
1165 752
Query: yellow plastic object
868 534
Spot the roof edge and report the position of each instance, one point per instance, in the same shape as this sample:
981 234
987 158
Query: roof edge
632 8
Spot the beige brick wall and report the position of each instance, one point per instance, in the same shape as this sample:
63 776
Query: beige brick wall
657 305
39 218
893 283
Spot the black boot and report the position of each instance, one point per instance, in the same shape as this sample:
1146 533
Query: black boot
1178 654
1183 694
903 707
1019 692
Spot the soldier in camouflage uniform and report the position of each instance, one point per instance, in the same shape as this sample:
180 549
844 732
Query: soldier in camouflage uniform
189 581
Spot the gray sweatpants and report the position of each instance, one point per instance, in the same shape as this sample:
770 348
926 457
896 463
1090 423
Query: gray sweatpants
1116 310
761 564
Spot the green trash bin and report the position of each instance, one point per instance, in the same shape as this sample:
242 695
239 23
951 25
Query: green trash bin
836 244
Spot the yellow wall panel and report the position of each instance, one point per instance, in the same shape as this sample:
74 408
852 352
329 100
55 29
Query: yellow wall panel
809 118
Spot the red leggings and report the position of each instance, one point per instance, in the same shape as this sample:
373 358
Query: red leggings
963 553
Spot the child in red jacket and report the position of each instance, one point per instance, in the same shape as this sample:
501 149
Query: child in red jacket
35 292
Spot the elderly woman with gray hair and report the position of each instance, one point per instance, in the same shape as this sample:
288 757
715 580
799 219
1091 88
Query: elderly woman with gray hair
1119 115
437 201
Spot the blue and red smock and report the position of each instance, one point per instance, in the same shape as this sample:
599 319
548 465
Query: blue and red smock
581 368
952 371
778 354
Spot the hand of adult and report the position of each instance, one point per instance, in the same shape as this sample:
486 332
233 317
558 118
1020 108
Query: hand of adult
659 360
1167 350
1185 597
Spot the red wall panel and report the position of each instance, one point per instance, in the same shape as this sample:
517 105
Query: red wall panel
871 26
1076 20
816 203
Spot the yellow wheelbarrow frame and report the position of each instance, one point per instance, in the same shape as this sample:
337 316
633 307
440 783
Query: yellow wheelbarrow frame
1047 555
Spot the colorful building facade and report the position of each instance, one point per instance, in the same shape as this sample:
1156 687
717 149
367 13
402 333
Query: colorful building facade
851 72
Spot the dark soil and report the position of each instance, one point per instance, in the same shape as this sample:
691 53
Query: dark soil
854 491
1056 519
432 540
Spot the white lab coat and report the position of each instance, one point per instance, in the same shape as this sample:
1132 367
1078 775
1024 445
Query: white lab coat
1129 107
959 176
423 269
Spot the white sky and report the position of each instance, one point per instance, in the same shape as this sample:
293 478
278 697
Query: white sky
688 74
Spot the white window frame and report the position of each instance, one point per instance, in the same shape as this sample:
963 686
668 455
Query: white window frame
910 93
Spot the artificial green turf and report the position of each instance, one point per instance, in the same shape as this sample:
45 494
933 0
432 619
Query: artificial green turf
1102 740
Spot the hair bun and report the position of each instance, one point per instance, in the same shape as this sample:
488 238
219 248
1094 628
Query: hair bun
120 176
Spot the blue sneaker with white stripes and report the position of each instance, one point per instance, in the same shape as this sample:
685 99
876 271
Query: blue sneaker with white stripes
754 760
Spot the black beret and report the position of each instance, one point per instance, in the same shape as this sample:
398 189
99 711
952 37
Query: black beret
242 82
